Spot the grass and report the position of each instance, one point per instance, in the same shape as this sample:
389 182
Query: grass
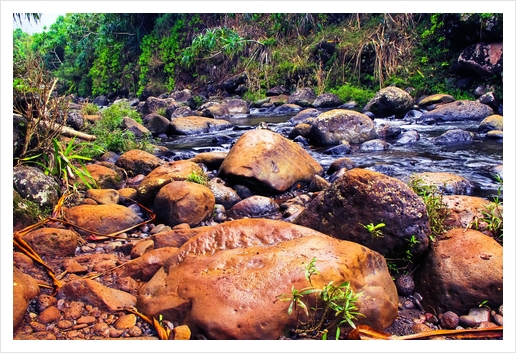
198 178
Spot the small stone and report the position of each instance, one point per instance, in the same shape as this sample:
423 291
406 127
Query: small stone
114 333
80 326
449 320
49 315
38 326
64 324
100 327
45 301
487 324
405 285
86 320
498 319
182 333
420 328
408 304
125 322
500 310
467 321
480 314
135 331
74 334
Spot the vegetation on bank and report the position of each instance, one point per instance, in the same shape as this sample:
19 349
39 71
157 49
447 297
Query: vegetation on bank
352 55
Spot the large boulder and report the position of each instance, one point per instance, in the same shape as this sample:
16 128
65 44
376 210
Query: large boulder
237 106
52 242
24 289
226 280
492 122
106 177
304 97
458 111
390 101
361 197
461 270
484 59
333 126
327 100
446 183
268 162
139 162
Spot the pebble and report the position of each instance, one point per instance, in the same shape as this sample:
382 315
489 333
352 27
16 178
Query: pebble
467 321
480 314
420 328
125 322
44 301
135 331
74 311
64 324
449 320
88 320
48 315
405 285
498 319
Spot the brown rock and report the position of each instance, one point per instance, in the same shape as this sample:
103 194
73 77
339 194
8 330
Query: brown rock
244 266
254 207
142 247
125 322
105 177
163 175
447 183
52 242
460 271
190 125
184 202
24 289
467 211
182 333
492 122
146 266
139 162
360 197
175 237
268 161
212 160
103 196
104 219
95 294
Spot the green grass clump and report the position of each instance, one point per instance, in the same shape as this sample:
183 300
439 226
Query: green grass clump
351 93
198 178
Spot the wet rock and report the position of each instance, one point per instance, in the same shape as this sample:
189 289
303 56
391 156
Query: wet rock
236 262
52 242
435 99
24 289
458 111
145 266
463 210
340 149
184 202
212 160
268 162
224 195
467 321
152 104
32 184
157 124
253 207
236 106
49 315
374 145
215 111
492 122
93 293
495 134
138 162
486 59
174 237
390 101
192 125
135 127
104 219
289 108
453 136
461 270
303 115
405 285
333 126
163 175
406 137
141 247
388 131
365 197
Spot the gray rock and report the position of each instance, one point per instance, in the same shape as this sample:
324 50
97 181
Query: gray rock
32 184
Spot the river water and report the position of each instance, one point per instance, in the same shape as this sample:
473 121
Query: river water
472 160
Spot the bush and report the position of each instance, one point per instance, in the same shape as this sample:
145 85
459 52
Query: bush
359 95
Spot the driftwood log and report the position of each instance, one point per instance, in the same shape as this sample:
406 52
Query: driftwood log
69 132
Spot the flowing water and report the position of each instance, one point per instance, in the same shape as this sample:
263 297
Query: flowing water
473 160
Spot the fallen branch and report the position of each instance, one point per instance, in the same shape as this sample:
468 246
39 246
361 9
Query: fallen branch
67 131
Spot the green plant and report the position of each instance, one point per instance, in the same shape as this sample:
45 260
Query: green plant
198 178
374 229
339 305
492 215
90 109
412 241
436 209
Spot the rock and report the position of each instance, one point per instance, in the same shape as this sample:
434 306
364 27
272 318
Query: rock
276 91
224 195
360 197
184 96
182 333
212 160
145 266
485 59
289 108
303 115
141 247
333 126
231 84
216 111
178 112
388 131
405 285
495 134
304 97
25 212
103 196
406 137
458 111
236 106
453 136
268 162
460 271
33 185
157 124
446 183
52 242
436 99
163 175
374 145
49 315
75 120
191 125
105 177
135 127
244 266
281 99
104 219
184 202
492 122
340 163
482 314
93 293
125 322
327 100
449 320
175 237
139 162
152 104
463 210
390 101
24 289
254 207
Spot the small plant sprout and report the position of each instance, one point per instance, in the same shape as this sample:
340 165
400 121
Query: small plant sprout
413 241
198 178
374 229
483 304
311 270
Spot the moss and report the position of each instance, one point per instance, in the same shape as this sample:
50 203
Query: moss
25 212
